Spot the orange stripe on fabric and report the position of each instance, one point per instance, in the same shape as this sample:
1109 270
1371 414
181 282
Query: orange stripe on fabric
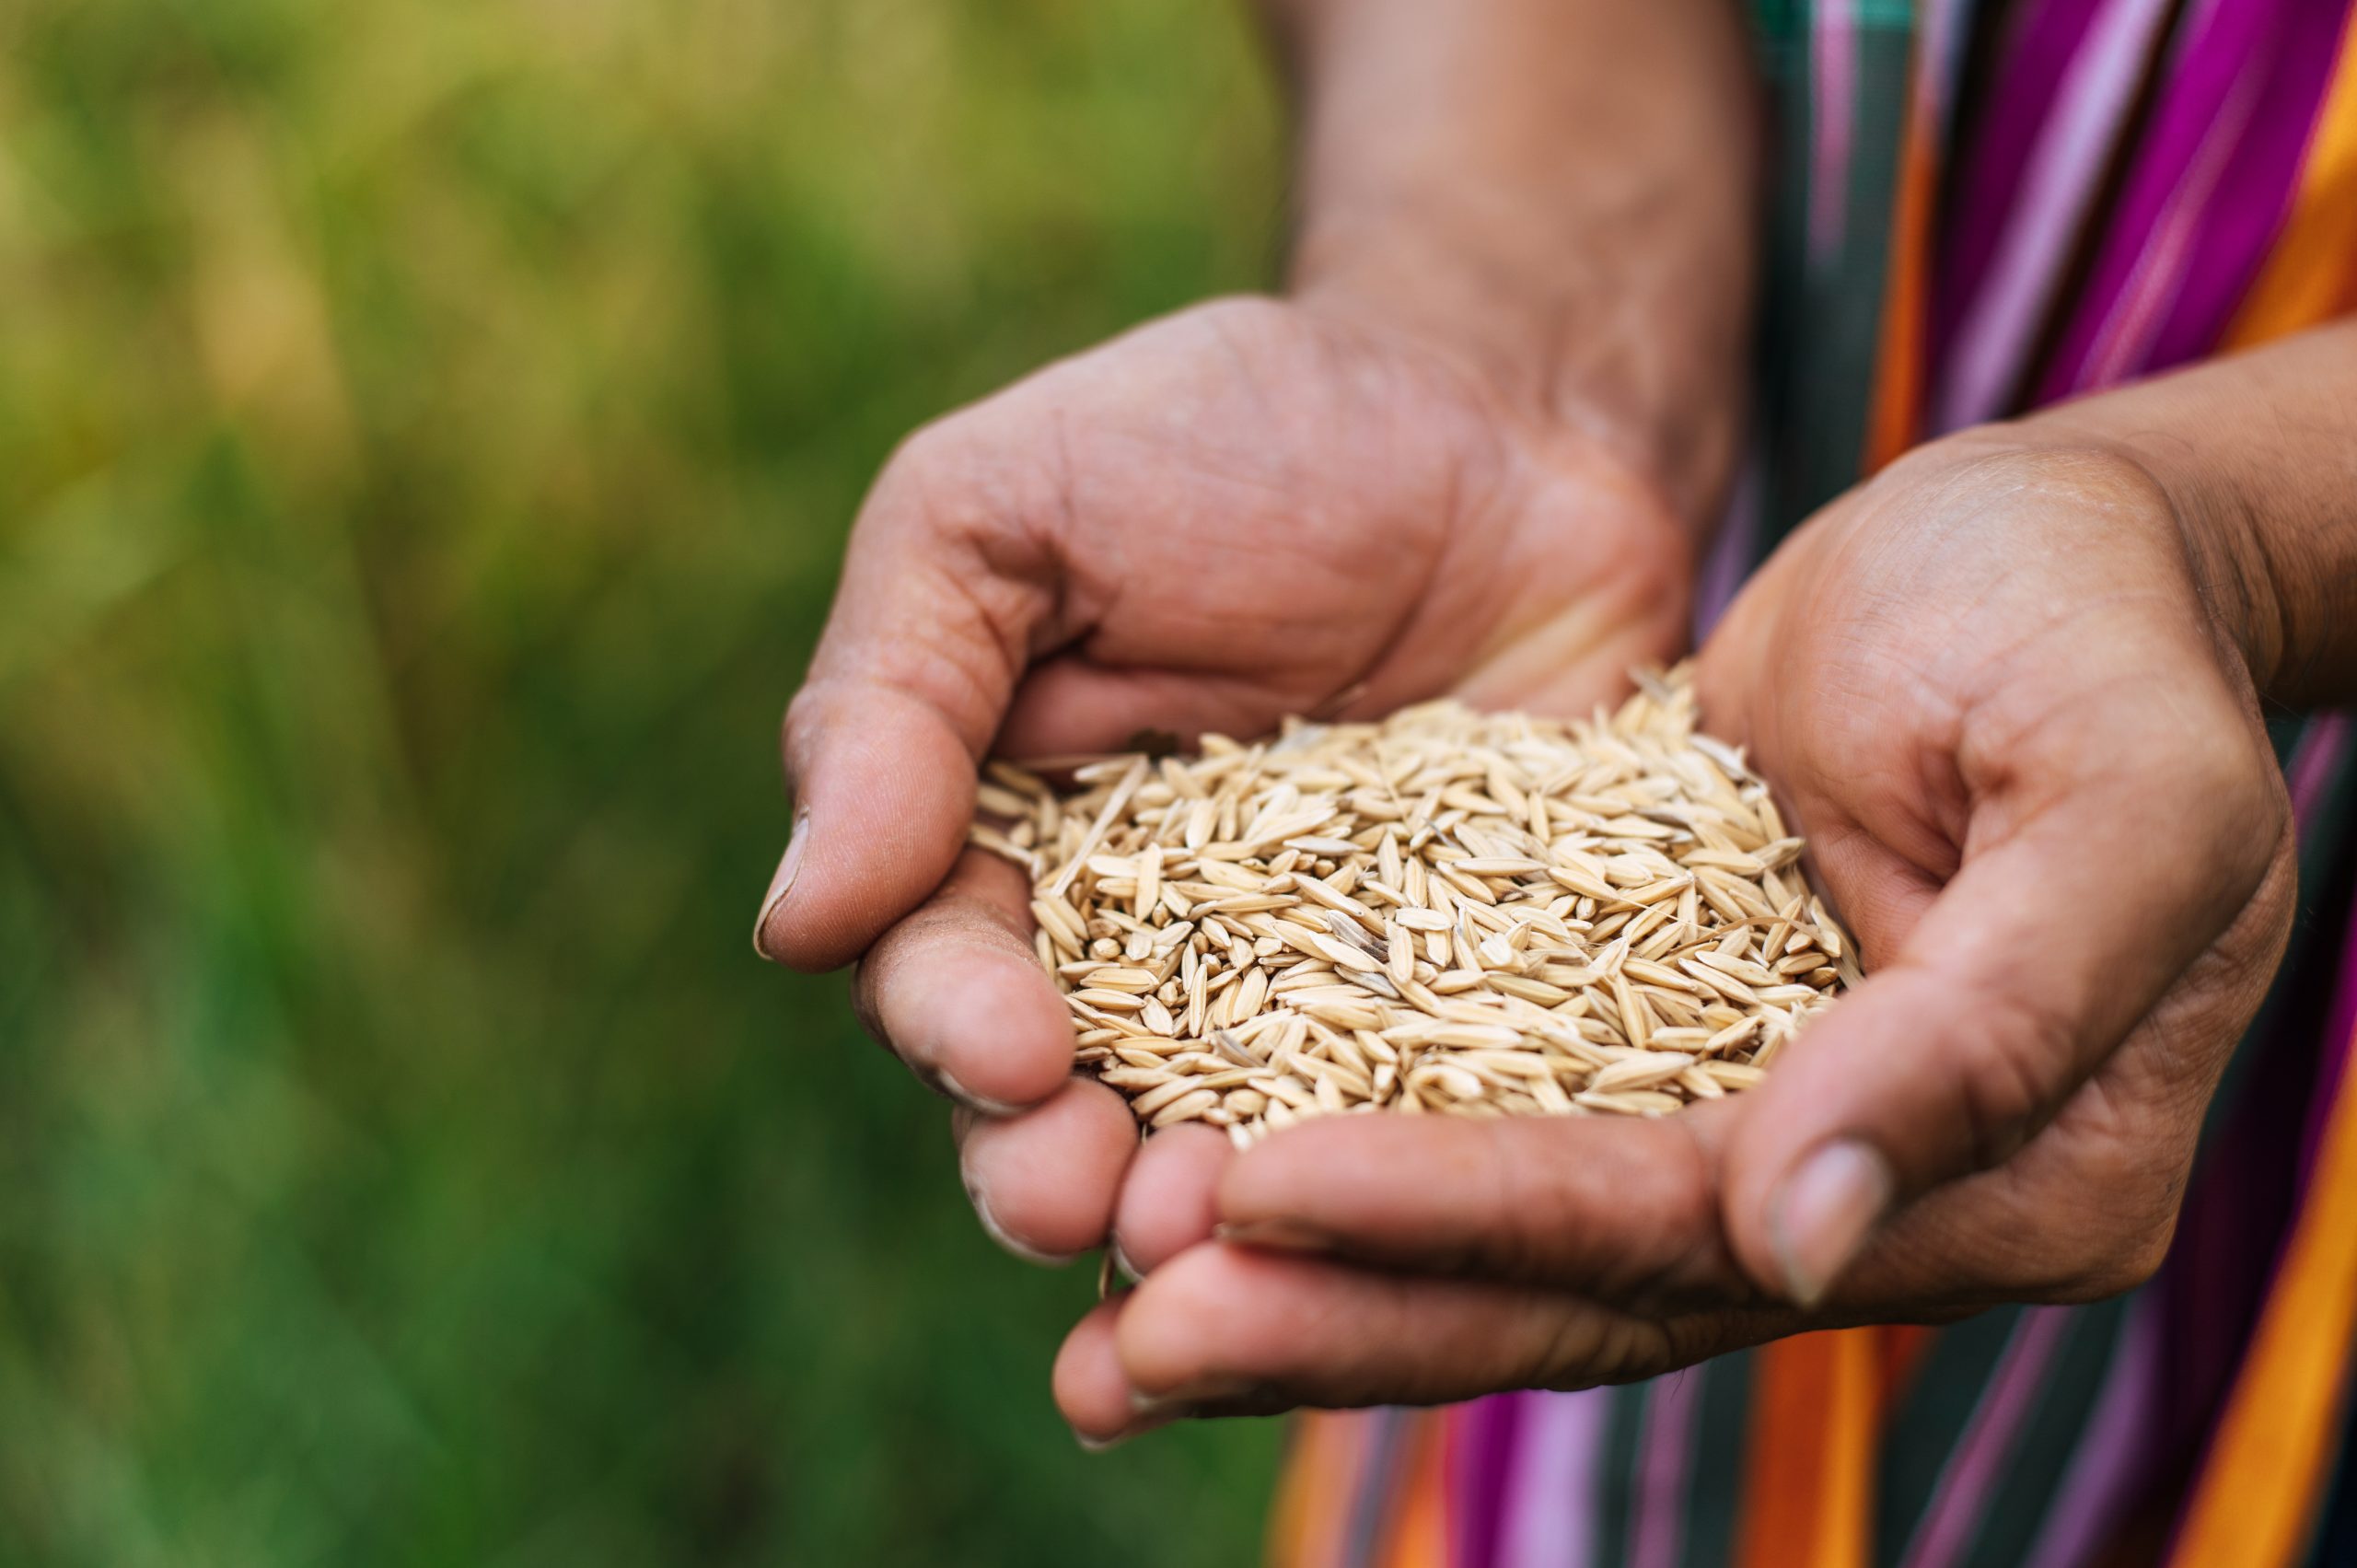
1420 1525
2256 1497
2311 275
1313 1503
1808 1478
1897 419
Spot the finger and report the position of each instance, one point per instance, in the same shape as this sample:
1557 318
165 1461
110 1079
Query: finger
1235 1327
1090 1391
956 992
1166 1198
1071 703
1043 1183
1622 1209
944 587
2081 898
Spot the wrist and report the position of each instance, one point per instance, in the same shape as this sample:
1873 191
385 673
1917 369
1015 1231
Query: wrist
2258 454
1560 194
1605 338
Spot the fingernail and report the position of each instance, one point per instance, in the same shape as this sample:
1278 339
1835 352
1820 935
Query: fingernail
997 1231
1187 1398
1122 1263
1138 1428
1822 1215
781 884
943 1080
1274 1235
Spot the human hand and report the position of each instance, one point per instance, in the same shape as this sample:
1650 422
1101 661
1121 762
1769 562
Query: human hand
2031 767
1251 509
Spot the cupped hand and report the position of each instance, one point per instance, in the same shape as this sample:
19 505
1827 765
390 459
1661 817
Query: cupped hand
2034 776
1251 509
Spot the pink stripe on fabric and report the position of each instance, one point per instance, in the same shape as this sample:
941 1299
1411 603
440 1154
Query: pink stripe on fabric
1971 1471
1657 1533
2311 767
1549 1497
2106 1468
1833 51
1997 327
1939 57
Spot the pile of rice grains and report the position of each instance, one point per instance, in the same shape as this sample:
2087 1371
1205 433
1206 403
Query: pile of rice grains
1448 912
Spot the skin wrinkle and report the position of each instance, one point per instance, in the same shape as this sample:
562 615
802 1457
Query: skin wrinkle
2128 1173
2011 1088
1223 328
1921 840
1065 483
1630 1337
2007 799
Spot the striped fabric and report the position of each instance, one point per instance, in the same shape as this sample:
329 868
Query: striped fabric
1984 208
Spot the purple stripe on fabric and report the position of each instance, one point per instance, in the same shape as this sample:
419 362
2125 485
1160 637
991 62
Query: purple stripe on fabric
2107 1468
1549 1500
1481 1444
2019 227
2042 42
2121 349
1372 1504
1833 60
1665 1452
2240 223
2204 60
2214 91
1971 1471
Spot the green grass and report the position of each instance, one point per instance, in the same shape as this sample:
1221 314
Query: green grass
427 433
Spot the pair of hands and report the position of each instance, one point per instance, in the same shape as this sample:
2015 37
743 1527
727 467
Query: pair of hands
1987 685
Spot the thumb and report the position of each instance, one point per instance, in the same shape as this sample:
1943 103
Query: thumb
944 591
2038 957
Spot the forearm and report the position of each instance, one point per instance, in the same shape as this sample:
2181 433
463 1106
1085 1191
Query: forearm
1561 190
2258 454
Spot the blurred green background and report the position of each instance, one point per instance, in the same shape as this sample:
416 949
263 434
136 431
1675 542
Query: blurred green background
427 431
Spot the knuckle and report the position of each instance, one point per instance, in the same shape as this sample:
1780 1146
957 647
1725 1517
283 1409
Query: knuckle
930 450
2124 1260
1530 1200
951 484
2019 1062
1587 1347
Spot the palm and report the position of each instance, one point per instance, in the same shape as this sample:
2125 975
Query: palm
1249 510
1957 663
1253 510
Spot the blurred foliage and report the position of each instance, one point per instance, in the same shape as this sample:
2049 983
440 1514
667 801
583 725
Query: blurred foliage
427 431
